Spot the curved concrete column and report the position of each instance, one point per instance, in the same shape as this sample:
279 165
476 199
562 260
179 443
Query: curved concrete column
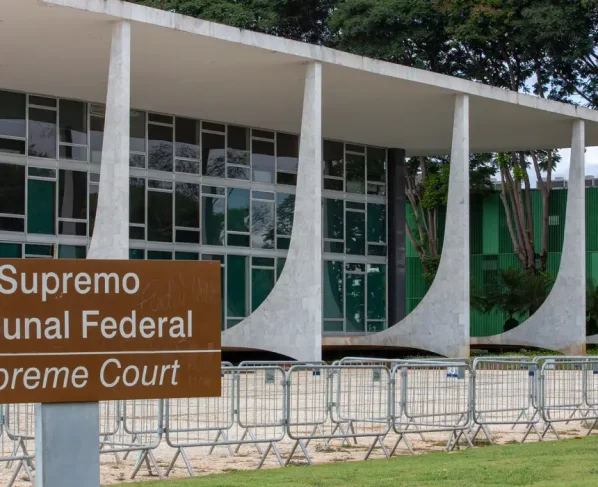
289 321
440 323
560 323
111 231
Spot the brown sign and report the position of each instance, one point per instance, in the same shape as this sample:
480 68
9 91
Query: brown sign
90 330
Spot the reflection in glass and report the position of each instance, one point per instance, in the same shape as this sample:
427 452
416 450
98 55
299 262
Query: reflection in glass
355 296
12 114
72 201
333 290
187 138
236 286
355 173
12 189
333 219
73 122
159 147
376 275
262 224
285 208
212 154
159 216
376 165
96 132
137 131
238 146
262 161
212 220
71 252
137 200
41 204
262 282
287 152
42 133
376 223
333 158
238 210
187 212
355 233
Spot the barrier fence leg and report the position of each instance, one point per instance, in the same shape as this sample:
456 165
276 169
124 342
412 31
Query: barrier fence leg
15 474
378 439
180 452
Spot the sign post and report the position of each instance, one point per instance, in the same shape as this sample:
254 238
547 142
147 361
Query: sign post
83 331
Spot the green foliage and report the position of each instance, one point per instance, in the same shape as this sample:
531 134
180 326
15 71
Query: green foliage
302 20
518 292
430 264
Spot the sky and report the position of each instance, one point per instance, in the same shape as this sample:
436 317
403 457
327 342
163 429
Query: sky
562 169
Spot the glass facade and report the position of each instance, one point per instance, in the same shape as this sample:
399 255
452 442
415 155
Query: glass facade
354 238
199 190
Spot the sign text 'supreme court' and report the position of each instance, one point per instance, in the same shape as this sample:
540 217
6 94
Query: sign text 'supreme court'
90 330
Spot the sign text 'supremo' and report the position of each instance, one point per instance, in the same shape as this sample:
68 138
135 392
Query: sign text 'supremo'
91 330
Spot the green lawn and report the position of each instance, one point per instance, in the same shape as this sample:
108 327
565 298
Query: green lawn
570 463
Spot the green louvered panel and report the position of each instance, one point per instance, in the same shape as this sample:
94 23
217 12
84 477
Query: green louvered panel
591 219
491 207
556 220
416 286
409 250
476 227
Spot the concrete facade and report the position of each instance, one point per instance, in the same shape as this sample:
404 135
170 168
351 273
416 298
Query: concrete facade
560 323
289 321
440 323
294 87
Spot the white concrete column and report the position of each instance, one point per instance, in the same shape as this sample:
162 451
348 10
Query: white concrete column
289 321
111 233
560 323
66 440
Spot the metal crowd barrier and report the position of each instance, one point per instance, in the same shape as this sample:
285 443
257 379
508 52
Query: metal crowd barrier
357 401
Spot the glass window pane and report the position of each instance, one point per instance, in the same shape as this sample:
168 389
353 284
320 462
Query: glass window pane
12 114
333 290
333 158
263 134
94 190
262 282
159 255
12 224
39 250
212 154
280 262
41 204
136 254
355 296
376 223
159 216
10 250
333 219
215 127
72 228
158 118
186 236
72 116
42 101
355 173
238 146
355 233
96 133
333 326
187 138
262 224
333 184
376 291
376 164
286 178
236 286
12 146
137 131
73 153
159 147
71 252
187 205
262 161
238 210
186 256
72 194
285 209
212 220
189 167
42 133
237 240
234 172
12 189
287 152
283 243
136 200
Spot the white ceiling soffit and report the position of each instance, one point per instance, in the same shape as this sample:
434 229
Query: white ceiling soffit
195 68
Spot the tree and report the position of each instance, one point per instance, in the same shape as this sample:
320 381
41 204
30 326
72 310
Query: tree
302 20
517 292
521 45
426 187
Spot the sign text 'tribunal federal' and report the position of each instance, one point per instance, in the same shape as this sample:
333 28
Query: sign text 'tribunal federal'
89 330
